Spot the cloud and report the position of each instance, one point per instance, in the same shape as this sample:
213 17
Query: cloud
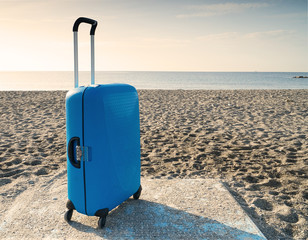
145 42
246 36
267 34
165 42
207 10
219 36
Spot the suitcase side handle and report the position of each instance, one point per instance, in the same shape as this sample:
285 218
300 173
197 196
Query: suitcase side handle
92 32
70 151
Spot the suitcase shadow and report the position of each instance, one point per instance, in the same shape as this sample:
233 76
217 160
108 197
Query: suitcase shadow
141 219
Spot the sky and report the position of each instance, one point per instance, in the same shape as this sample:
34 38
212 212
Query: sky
156 35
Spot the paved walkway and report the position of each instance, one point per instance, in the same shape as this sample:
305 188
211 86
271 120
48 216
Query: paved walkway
167 209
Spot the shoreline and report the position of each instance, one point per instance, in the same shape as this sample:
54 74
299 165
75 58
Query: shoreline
253 140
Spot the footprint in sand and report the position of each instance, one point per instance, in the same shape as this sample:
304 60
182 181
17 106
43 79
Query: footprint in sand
263 204
11 173
201 157
272 183
13 162
41 171
305 195
288 215
4 181
33 162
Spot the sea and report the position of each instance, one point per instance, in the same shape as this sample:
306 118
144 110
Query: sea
64 80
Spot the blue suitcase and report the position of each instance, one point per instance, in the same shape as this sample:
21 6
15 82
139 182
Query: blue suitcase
103 143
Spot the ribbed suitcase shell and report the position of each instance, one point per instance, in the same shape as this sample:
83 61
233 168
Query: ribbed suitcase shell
106 119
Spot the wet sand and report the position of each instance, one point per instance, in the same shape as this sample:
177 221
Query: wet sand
254 140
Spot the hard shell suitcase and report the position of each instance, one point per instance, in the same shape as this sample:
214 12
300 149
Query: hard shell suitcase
103 143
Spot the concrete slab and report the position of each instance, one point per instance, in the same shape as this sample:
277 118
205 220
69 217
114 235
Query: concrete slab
167 209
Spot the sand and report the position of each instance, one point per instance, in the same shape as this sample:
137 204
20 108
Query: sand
255 141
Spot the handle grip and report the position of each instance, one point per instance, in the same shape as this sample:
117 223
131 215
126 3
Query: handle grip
85 20
70 151
92 31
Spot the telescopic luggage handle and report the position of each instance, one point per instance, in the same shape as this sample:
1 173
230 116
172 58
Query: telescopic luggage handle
85 20
92 32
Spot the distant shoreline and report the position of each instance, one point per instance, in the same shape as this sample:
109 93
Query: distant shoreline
53 80
300 77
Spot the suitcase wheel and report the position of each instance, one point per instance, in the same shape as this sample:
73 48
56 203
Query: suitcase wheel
68 215
138 193
101 222
102 214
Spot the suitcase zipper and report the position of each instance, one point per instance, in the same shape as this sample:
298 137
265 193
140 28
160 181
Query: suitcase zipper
84 163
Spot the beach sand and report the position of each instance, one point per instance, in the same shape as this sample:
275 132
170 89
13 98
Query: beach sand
254 140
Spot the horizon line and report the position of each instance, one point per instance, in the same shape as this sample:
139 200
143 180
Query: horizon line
3 71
